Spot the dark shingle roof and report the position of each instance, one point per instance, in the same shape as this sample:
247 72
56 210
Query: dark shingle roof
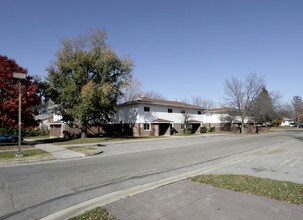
145 100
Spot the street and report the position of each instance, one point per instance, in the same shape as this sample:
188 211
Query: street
32 191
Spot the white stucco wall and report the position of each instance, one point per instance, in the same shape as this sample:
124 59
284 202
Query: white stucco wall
214 118
135 114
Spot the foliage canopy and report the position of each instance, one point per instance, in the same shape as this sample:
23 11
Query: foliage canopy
86 79
9 95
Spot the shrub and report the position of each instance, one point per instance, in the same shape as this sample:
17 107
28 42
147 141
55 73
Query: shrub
212 129
188 131
203 129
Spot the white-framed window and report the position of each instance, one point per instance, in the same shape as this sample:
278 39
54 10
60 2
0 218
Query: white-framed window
170 110
146 127
199 112
182 111
146 109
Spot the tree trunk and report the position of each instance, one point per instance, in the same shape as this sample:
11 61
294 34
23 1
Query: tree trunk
242 126
84 131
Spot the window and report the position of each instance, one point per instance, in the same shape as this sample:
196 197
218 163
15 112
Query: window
199 112
182 111
170 110
146 127
146 109
182 126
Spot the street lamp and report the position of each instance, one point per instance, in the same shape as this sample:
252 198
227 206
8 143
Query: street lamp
19 76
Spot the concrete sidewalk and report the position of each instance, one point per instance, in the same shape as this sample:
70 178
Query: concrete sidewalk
59 152
195 201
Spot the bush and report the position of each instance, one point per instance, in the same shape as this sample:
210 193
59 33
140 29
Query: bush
188 131
212 129
203 129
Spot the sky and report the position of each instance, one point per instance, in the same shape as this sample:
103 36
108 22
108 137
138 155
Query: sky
180 48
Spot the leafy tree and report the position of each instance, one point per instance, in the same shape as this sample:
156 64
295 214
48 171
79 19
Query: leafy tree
241 95
9 95
263 109
86 79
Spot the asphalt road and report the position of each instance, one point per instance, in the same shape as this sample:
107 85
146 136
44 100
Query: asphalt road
37 190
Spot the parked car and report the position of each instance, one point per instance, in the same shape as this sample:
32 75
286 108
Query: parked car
293 124
8 138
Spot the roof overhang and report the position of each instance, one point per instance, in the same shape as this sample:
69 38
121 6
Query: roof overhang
194 122
161 121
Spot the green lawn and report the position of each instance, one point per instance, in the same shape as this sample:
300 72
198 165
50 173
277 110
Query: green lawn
28 155
273 189
62 141
95 214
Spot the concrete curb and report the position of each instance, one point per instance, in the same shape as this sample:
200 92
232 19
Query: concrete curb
115 196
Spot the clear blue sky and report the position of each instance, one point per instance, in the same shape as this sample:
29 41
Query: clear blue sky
181 48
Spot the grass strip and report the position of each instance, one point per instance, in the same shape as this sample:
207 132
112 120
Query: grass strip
62 141
95 214
28 155
87 150
273 189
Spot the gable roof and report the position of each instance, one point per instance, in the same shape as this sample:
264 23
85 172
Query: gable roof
144 100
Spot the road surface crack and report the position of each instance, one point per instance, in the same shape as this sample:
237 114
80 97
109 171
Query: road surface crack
12 200
2 187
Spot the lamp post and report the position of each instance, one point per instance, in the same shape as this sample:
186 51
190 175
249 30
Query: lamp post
19 76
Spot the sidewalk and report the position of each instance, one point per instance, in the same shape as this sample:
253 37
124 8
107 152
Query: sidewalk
59 152
195 201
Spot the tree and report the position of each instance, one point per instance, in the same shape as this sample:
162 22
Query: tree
131 90
152 94
204 103
241 95
86 79
9 95
263 109
298 109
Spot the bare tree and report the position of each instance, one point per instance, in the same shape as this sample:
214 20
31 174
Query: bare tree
196 100
152 94
204 103
131 90
298 108
285 110
241 95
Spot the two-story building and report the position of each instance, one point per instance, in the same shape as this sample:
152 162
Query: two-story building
156 117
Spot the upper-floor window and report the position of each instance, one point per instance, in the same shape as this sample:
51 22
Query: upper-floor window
170 110
146 109
182 111
199 112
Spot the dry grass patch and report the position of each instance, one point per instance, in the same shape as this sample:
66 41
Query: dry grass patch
95 214
28 156
273 189
87 150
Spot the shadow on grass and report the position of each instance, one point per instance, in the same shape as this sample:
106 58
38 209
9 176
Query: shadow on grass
61 141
